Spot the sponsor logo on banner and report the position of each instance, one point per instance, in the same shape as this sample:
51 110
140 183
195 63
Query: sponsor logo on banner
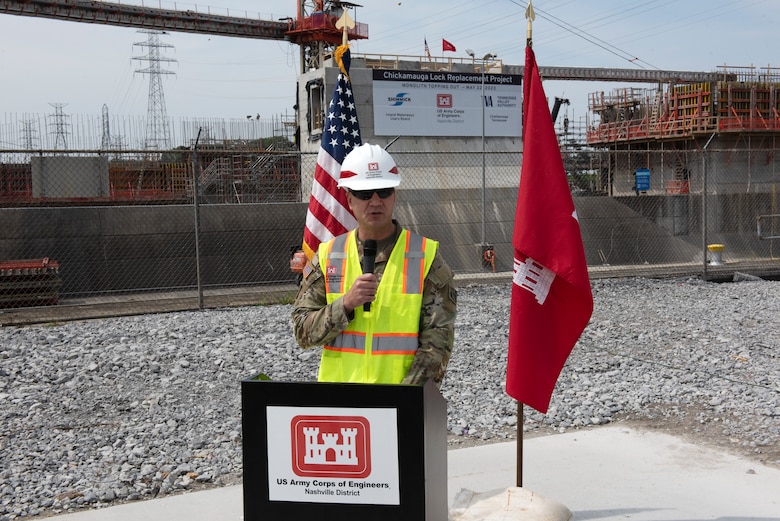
444 101
398 99
331 446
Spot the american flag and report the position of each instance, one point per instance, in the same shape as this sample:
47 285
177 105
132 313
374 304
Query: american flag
329 214
427 50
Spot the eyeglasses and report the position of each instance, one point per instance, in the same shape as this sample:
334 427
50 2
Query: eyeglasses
365 195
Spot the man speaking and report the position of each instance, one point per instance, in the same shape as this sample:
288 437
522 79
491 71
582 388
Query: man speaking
387 321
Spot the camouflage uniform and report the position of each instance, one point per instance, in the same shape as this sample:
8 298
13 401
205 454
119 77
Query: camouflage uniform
316 323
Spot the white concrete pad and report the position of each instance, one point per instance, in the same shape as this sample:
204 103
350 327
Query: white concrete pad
615 473
608 473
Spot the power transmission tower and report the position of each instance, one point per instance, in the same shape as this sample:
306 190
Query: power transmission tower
158 136
60 127
29 137
105 142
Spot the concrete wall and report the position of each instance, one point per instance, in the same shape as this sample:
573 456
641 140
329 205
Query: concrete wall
110 249
616 231
66 177
130 248
735 164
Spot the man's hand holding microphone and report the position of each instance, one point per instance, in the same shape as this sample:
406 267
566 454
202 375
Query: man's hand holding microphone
363 290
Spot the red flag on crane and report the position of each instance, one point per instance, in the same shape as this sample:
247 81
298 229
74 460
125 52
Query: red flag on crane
551 296
446 46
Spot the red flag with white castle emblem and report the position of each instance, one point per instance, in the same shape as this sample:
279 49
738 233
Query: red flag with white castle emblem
551 296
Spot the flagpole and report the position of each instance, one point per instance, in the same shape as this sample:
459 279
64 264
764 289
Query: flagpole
530 15
327 220
520 421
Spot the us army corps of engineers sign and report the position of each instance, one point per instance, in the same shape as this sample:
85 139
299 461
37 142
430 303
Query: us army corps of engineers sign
443 103
333 455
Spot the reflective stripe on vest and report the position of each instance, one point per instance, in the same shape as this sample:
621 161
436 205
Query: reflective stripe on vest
414 269
387 344
379 347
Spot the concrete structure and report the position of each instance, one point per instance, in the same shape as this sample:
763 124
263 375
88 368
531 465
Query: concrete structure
666 129
108 249
608 473
88 177
666 137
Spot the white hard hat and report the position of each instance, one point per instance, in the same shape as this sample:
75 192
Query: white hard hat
369 167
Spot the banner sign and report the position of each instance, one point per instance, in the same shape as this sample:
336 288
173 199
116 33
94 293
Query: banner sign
333 455
442 103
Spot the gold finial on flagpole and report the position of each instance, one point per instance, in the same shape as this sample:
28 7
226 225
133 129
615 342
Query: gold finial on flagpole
345 23
530 16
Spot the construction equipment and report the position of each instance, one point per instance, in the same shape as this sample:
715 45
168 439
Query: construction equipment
25 283
313 29
557 107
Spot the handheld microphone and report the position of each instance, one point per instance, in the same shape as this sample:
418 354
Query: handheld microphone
369 256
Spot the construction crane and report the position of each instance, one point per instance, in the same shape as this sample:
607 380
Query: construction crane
313 29
316 33
557 107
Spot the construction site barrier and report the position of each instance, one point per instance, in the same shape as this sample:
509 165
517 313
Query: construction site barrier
29 283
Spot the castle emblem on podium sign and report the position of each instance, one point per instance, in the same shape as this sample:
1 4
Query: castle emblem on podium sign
331 446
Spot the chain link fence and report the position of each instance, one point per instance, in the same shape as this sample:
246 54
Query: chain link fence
718 206
81 225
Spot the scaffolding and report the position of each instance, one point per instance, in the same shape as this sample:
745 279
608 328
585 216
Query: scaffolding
743 99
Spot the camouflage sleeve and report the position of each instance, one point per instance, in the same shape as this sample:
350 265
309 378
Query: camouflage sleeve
315 322
437 326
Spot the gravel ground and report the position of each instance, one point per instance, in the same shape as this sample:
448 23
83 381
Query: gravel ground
100 412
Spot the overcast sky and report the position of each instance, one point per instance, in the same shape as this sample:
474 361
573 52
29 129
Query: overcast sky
85 66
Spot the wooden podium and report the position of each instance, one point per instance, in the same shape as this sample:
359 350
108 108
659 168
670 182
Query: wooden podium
346 452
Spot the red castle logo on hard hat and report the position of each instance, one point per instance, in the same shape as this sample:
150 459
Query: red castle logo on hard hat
373 166
331 446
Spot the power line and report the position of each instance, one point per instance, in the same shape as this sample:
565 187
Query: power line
598 42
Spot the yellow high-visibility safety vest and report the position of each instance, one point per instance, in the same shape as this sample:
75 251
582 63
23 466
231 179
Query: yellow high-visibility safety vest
379 346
